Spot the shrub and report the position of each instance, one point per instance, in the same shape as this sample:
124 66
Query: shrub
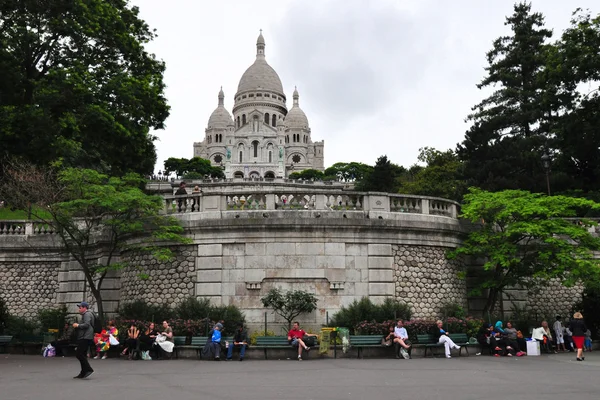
18 326
416 327
473 326
453 310
140 310
4 315
187 327
193 308
258 333
230 314
365 311
53 318
192 315
373 328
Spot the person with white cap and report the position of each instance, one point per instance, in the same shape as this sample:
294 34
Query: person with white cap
85 338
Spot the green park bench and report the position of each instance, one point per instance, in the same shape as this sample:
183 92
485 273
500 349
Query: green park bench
362 341
4 342
274 342
429 343
26 341
197 343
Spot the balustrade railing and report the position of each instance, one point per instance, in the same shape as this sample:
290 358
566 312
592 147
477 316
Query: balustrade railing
281 197
12 227
24 227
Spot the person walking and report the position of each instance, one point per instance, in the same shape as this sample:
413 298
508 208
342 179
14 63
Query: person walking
85 338
577 326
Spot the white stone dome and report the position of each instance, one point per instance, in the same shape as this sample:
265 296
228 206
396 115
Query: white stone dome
260 75
296 118
220 118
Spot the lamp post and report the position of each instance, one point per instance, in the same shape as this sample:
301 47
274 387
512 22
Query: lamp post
546 164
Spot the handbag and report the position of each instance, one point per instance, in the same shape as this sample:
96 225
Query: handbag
386 342
519 334
309 340
113 340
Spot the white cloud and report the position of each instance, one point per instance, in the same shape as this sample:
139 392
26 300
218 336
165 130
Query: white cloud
385 77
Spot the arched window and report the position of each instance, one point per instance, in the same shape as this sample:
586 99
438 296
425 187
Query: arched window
274 119
255 123
244 119
255 148
238 121
240 157
270 156
267 118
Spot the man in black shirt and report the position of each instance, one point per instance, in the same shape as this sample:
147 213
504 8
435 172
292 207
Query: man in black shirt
240 339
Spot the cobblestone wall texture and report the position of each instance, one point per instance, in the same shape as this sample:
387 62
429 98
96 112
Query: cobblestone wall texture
167 283
426 280
555 299
27 288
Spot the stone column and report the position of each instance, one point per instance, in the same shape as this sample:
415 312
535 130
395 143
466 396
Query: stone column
381 275
209 272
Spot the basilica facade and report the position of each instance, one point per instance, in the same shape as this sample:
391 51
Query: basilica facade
263 139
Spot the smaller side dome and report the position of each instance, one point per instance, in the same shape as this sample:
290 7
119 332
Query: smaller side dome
296 118
220 118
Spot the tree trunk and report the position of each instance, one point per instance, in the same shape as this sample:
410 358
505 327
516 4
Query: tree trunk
491 301
95 292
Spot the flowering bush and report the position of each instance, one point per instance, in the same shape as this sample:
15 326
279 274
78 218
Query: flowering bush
415 327
373 328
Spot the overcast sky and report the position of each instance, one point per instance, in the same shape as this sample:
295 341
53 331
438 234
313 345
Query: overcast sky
374 76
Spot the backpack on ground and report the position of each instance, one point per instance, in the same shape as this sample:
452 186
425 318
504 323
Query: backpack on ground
49 351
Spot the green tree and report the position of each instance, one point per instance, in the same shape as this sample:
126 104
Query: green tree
202 167
441 177
348 172
503 147
88 209
382 178
308 174
574 64
78 85
290 304
194 168
177 165
526 239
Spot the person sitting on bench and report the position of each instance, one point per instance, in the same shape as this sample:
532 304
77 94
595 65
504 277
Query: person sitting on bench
240 340
443 337
296 339
400 339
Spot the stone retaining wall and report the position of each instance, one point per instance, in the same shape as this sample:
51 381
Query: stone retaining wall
28 287
554 299
426 280
166 282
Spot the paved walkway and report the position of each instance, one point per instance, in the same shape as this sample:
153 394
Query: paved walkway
546 377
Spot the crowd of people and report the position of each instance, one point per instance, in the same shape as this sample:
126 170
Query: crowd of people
497 339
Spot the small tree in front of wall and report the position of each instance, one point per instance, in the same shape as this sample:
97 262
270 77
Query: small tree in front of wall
290 304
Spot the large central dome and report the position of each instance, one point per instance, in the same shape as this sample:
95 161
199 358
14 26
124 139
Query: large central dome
260 75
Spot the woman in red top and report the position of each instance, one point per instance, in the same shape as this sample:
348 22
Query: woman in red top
295 336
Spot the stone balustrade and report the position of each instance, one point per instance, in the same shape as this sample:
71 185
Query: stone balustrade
23 227
295 197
